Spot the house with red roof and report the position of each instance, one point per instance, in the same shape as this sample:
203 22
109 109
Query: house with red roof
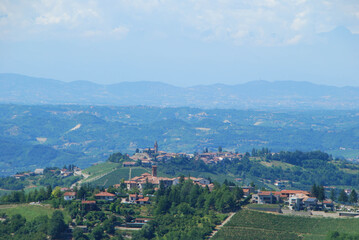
105 196
68 196
145 200
266 197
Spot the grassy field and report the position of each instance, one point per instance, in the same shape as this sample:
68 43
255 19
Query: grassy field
274 163
249 224
30 211
116 176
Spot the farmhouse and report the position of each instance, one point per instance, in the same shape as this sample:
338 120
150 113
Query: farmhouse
69 196
266 197
105 196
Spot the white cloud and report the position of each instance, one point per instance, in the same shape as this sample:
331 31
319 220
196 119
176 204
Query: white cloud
120 31
268 22
300 21
294 40
49 19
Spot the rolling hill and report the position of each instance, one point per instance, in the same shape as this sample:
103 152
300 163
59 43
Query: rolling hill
252 95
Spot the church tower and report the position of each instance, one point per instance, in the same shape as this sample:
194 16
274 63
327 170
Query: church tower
156 147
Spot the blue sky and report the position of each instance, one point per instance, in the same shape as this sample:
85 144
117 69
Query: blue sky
182 42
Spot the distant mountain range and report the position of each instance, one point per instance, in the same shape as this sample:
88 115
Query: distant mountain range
22 89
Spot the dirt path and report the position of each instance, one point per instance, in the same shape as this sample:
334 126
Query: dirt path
217 228
126 228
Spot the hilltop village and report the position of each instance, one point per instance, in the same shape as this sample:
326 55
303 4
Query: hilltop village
149 156
141 193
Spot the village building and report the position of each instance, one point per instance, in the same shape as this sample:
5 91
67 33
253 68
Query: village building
140 182
129 164
328 205
68 196
39 171
266 197
105 196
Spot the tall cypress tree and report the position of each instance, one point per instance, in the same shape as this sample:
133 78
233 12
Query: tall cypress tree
353 198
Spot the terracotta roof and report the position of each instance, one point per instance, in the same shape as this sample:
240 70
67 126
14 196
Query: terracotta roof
145 199
88 202
70 194
293 191
265 193
105 194
130 182
129 163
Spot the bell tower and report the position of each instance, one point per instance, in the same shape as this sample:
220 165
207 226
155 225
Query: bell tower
154 171
156 147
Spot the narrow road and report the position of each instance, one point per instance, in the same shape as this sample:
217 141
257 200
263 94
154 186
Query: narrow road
217 228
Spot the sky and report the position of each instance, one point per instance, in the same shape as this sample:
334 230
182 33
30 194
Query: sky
184 43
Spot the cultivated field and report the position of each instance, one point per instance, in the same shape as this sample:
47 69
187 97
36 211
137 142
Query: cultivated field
249 224
115 176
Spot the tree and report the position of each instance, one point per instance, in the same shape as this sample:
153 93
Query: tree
78 234
333 194
17 221
48 191
321 193
56 193
254 152
81 193
219 149
353 198
314 191
343 197
97 233
56 224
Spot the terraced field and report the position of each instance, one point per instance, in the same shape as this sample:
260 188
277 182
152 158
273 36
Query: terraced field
249 224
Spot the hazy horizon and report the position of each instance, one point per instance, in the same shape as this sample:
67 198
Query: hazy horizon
177 85
182 43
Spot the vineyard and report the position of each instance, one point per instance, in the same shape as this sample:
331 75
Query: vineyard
115 176
248 224
100 169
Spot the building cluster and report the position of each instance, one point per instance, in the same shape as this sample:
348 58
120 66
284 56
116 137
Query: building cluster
295 199
216 157
75 171
137 183
140 182
149 156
